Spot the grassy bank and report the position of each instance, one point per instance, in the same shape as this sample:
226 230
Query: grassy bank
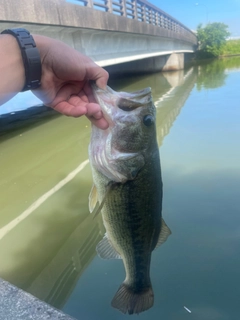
232 47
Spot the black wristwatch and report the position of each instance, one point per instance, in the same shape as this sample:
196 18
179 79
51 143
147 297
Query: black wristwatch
30 55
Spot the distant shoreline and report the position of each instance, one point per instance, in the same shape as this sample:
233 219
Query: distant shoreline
229 55
215 58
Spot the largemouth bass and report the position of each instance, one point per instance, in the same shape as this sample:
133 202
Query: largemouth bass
128 191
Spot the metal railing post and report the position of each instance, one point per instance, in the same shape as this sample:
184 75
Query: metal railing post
90 3
124 9
157 19
150 15
144 12
109 5
134 2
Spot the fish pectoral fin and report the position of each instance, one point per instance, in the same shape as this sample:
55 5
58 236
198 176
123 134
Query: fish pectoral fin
164 233
105 250
99 206
93 198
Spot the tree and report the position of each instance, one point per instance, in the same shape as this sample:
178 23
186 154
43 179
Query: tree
211 39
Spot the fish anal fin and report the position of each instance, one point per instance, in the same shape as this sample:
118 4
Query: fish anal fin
106 251
128 301
93 198
164 234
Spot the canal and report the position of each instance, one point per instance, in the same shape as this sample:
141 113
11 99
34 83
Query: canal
48 237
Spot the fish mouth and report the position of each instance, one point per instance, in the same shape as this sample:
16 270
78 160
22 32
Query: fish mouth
123 100
135 99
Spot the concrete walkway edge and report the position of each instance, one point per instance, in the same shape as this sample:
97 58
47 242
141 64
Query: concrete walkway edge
16 304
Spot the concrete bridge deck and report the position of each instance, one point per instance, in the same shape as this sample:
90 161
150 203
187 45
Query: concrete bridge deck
133 30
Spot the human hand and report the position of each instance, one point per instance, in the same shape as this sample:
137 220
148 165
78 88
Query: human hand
65 81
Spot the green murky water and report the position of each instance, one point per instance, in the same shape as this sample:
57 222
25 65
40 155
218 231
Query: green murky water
48 238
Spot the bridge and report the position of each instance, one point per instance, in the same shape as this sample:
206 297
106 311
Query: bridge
111 32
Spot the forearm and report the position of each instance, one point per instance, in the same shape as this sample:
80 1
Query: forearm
11 68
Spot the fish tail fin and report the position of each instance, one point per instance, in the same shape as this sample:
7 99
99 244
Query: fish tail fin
128 301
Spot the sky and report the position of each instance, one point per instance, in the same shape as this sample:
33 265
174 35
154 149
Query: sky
190 14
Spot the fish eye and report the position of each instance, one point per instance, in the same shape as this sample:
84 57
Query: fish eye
148 120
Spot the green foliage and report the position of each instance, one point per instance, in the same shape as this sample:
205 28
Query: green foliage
231 47
211 39
211 75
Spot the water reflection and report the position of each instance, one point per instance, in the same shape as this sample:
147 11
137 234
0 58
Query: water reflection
213 75
51 251
169 104
56 281
47 237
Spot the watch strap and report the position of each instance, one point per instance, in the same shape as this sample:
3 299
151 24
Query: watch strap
30 55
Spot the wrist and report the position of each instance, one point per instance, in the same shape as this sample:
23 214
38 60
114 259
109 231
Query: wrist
30 57
11 64
42 44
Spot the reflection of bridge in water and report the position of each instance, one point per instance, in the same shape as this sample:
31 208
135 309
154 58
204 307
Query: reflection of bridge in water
168 107
54 280
57 280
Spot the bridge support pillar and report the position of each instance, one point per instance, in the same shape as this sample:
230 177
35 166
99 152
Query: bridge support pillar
174 62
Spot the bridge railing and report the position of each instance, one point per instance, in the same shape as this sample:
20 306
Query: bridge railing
140 10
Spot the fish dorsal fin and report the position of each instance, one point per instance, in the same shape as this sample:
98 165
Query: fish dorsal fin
164 233
105 250
93 198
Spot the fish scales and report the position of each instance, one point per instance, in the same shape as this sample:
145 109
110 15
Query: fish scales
129 193
125 209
